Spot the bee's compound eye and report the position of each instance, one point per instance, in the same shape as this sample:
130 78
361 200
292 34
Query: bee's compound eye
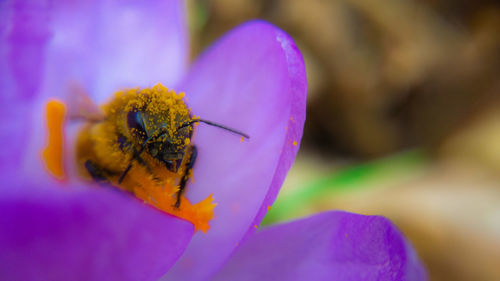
135 121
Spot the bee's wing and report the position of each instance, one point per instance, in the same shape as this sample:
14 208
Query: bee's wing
81 106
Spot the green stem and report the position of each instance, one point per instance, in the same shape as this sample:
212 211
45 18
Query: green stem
352 178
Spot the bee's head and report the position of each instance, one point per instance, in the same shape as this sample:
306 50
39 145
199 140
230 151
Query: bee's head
165 140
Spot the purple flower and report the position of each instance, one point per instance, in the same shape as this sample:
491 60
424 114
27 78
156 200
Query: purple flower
252 79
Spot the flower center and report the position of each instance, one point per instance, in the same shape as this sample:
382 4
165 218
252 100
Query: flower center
141 145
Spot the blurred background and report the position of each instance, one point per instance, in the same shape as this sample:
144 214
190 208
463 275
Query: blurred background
403 118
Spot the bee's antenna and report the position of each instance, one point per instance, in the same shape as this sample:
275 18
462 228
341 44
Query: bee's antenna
137 154
190 123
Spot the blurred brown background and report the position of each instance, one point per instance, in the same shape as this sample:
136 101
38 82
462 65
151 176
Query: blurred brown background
385 77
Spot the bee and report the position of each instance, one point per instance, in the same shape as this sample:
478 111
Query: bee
149 130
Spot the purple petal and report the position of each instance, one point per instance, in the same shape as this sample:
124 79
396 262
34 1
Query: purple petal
49 233
253 80
24 34
328 246
104 46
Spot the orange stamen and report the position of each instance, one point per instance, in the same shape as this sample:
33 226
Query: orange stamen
53 154
164 198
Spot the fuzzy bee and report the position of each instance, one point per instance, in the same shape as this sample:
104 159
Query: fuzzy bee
142 132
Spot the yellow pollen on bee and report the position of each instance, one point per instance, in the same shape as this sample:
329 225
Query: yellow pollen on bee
53 154
163 111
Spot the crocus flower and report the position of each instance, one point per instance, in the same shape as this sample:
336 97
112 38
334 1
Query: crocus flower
252 79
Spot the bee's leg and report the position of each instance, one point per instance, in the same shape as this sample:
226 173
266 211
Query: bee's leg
189 167
97 174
